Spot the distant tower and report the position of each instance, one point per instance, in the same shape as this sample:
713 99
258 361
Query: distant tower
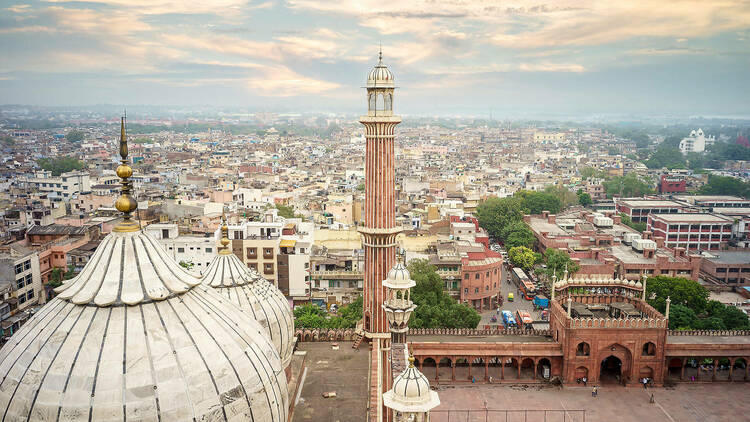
379 231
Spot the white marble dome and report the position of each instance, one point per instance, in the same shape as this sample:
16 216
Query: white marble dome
257 297
399 278
411 392
380 76
135 337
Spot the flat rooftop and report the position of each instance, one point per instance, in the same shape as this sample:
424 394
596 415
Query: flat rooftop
728 257
645 203
344 371
708 339
693 217
709 198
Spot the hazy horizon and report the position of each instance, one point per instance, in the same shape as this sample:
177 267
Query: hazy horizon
469 58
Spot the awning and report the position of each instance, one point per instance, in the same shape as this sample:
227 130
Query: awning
287 243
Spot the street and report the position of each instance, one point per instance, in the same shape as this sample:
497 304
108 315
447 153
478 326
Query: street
518 303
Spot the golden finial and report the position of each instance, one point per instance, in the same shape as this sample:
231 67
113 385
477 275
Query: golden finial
224 236
125 203
411 360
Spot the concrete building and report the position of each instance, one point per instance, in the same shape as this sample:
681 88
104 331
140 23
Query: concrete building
65 186
19 266
196 250
728 267
638 209
692 231
696 142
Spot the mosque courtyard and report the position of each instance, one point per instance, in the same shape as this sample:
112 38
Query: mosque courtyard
683 403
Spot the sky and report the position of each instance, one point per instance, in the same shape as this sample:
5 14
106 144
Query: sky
451 57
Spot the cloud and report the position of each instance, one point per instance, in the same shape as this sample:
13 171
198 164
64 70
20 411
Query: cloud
283 82
157 7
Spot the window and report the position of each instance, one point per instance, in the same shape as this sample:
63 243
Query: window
27 265
19 284
30 295
649 349
476 276
21 299
268 268
252 266
466 276
239 234
29 279
721 270
583 349
209 250
180 250
466 290
19 268
488 274
267 252
476 289
252 253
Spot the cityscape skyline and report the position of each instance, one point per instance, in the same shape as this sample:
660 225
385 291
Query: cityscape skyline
467 58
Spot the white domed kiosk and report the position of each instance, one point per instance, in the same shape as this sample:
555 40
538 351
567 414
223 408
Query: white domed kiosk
255 295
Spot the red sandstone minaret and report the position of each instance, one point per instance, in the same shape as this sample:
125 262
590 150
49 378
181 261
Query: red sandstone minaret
379 231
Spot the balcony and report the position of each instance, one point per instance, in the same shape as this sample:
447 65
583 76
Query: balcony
337 275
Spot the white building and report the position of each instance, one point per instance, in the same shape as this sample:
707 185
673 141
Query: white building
188 249
19 266
696 142
66 186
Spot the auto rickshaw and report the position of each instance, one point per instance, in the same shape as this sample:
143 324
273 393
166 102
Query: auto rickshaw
510 297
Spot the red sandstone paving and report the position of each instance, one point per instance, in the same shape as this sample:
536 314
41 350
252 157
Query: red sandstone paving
683 403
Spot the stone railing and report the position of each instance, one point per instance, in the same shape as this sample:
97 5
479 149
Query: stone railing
337 274
473 332
618 323
348 334
716 333
325 335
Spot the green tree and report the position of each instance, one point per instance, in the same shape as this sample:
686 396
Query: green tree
60 165
74 136
629 185
681 318
567 197
495 214
287 211
724 185
536 202
60 274
557 262
681 291
628 222
518 234
435 308
188 265
585 199
309 316
670 158
523 257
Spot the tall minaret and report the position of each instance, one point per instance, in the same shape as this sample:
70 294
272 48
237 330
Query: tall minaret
379 231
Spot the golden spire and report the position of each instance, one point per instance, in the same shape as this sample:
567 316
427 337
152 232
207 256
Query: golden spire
224 236
411 360
125 203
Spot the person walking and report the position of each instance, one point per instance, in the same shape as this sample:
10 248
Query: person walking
645 383
584 381
594 392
